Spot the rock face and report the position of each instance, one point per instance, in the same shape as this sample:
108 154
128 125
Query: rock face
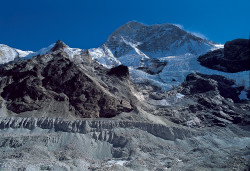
235 57
53 82
120 71
201 83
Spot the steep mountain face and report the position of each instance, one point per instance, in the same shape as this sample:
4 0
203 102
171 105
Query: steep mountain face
164 39
235 57
52 83
134 42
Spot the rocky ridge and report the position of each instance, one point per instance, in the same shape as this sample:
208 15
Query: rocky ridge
35 84
234 57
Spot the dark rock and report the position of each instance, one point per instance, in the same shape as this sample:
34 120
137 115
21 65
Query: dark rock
59 45
197 84
35 84
235 57
195 108
201 83
237 49
220 121
120 71
248 93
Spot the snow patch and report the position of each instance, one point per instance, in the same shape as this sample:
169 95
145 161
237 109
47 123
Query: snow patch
179 95
118 162
23 53
73 52
162 102
7 54
42 51
104 57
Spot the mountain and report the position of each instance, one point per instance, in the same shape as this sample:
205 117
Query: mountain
74 89
161 54
147 99
134 42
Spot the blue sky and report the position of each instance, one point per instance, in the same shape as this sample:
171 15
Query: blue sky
33 24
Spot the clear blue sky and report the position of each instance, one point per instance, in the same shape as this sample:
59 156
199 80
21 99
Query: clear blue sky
33 24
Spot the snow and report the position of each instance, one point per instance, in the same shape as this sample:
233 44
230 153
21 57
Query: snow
7 54
218 46
179 67
118 162
179 62
73 52
138 76
173 74
105 58
162 102
40 52
23 53
133 57
179 95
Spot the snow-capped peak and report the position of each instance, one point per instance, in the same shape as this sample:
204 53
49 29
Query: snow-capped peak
156 40
134 42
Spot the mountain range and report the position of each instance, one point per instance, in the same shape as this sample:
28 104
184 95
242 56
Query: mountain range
152 97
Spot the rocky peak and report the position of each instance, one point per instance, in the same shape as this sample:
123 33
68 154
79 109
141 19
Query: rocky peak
53 85
59 45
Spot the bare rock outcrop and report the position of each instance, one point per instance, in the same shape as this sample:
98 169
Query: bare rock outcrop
55 81
235 57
